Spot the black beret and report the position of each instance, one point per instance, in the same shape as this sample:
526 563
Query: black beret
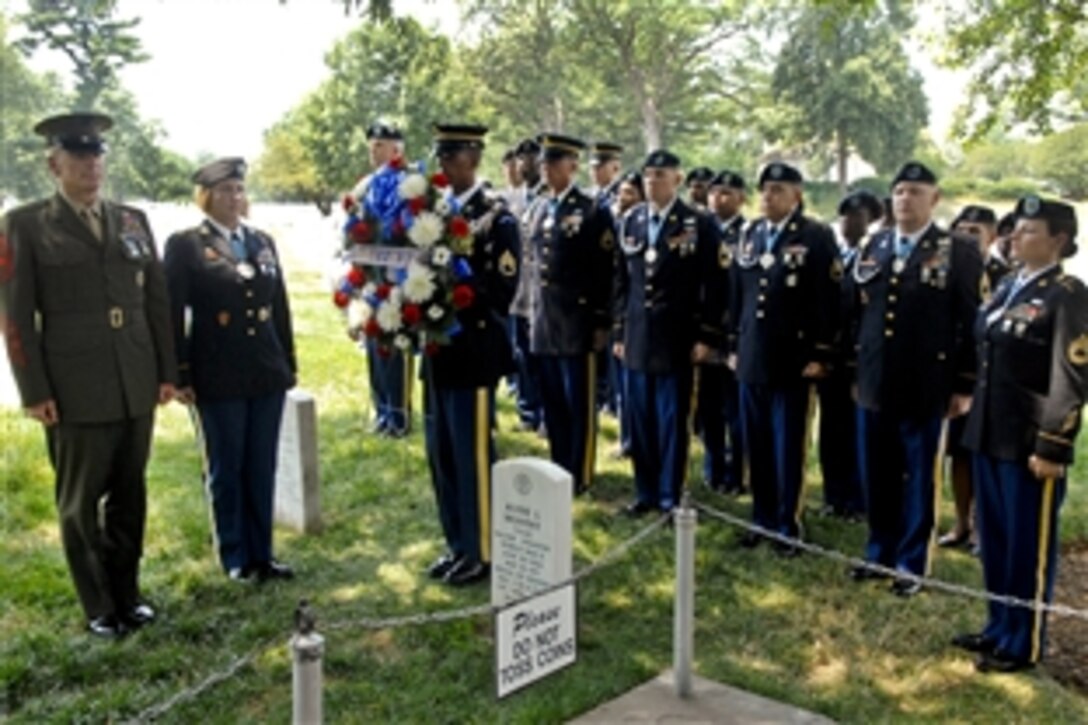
779 171
452 137
1059 216
212 173
661 159
383 132
916 172
633 178
729 179
699 173
975 214
557 146
1006 224
862 199
601 151
527 147
78 132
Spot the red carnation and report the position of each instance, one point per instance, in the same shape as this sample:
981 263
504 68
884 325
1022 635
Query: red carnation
417 205
360 232
439 180
372 328
384 351
463 295
383 291
459 227
356 277
411 314
398 227
396 163
341 299
430 349
348 202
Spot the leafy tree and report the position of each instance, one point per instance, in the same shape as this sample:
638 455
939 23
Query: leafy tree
25 98
86 31
851 88
1029 61
285 170
1062 160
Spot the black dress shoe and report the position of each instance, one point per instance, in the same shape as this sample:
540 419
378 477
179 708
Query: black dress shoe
997 661
442 564
905 588
750 540
274 570
138 615
787 551
955 540
637 509
240 574
466 572
864 573
974 642
107 627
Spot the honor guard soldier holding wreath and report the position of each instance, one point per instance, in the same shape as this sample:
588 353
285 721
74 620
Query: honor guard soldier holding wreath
917 292
236 362
784 295
1025 416
571 240
461 377
88 336
668 314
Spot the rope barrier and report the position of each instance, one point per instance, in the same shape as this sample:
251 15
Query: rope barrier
375 623
925 581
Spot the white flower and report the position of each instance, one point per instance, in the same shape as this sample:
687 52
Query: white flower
389 316
369 289
441 256
396 296
441 206
402 342
359 313
360 188
419 286
426 230
411 186
435 312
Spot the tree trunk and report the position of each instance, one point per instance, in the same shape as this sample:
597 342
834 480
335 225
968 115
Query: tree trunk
842 157
651 123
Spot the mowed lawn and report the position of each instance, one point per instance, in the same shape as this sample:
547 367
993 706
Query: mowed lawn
795 630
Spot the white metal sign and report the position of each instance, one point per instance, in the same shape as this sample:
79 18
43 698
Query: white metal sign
535 638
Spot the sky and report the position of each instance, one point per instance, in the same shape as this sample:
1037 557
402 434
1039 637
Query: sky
213 101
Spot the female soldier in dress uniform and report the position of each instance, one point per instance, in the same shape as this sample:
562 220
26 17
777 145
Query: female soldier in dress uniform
1032 383
236 362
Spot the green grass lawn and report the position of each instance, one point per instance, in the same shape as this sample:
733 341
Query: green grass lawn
794 630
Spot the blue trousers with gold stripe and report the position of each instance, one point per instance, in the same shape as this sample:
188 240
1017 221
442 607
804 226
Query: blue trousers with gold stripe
773 420
568 390
460 453
1018 535
659 406
717 420
898 458
391 378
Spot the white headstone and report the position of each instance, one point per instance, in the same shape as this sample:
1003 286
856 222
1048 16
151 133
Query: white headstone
298 487
530 528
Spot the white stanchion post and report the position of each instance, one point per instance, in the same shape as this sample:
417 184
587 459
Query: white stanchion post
684 518
307 651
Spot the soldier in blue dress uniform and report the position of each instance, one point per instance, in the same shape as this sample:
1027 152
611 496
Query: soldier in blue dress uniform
838 411
784 299
717 406
1032 385
697 182
236 360
391 371
668 313
917 293
979 223
572 240
461 376
527 373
